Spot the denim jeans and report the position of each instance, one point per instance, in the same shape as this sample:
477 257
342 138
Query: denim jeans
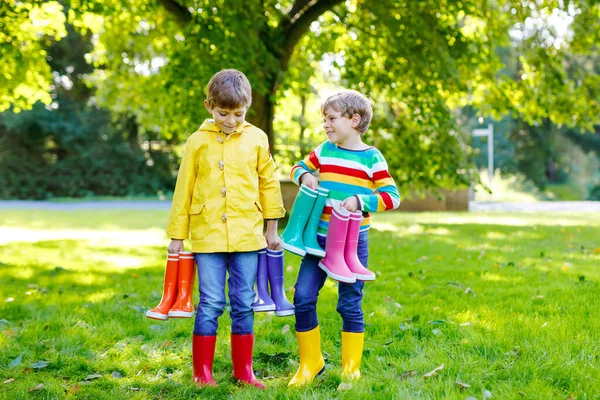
242 268
310 281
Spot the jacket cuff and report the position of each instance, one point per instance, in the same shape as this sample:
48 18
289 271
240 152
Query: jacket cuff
274 213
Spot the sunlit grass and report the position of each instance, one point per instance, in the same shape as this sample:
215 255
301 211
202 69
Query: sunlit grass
507 302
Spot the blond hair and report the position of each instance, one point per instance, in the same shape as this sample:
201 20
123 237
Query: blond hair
229 89
348 103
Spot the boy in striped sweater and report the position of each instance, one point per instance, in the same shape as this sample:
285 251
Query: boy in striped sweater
357 178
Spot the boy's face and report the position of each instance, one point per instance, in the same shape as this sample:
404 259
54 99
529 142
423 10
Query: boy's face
227 120
339 128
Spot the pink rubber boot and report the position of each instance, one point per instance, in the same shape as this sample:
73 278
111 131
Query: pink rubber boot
333 263
350 251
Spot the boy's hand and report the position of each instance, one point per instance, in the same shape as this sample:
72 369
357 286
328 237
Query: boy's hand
271 235
350 204
175 246
272 241
309 181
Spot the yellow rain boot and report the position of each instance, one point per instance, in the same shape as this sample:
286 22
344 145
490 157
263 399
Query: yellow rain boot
352 348
311 359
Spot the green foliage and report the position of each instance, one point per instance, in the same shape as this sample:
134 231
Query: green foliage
419 62
505 301
594 193
26 29
75 152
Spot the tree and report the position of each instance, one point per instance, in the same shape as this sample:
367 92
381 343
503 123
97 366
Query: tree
420 60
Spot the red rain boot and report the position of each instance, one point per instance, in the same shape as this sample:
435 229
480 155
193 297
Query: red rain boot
183 307
161 312
333 263
241 357
350 251
203 354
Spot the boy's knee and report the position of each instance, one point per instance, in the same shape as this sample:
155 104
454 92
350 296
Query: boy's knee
349 310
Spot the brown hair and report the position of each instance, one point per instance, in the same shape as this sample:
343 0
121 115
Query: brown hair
350 102
229 89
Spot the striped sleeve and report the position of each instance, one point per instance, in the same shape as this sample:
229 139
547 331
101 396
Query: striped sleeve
310 164
386 196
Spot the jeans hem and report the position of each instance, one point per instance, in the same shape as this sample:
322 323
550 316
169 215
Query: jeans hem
306 330
243 333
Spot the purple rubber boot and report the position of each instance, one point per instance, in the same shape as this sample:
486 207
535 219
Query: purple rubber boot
275 266
263 301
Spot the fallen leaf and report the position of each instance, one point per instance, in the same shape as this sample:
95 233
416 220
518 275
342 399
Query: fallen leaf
597 250
470 291
74 389
16 362
398 305
486 394
135 389
116 375
289 268
522 393
434 372
39 365
436 332
407 374
285 329
11 380
168 343
133 275
468 323
344 386
38 387
92 377
462 385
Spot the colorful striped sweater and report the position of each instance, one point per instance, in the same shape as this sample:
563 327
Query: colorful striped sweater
346 173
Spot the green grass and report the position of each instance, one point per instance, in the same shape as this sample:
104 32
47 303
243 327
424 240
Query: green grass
507 302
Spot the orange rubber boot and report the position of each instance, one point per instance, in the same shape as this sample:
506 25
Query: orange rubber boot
161 312
183 306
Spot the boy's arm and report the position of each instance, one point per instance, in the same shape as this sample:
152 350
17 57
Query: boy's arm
307 166
268 185
179 218
387 196
271 235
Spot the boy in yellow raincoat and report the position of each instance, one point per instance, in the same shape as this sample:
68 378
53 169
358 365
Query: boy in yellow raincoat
226 188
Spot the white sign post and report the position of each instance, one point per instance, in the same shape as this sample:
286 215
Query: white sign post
489 132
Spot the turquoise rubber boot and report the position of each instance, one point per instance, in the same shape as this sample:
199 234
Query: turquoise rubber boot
310 232
291 238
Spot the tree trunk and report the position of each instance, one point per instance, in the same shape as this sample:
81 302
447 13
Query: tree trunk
262 114
302 144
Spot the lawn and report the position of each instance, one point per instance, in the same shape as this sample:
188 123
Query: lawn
501 305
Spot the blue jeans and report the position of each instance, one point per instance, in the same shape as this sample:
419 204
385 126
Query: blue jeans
242 268
310 281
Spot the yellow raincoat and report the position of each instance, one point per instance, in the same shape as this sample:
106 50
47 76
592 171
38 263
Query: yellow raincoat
225 188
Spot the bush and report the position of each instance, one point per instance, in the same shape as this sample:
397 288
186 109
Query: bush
594 193
77 151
